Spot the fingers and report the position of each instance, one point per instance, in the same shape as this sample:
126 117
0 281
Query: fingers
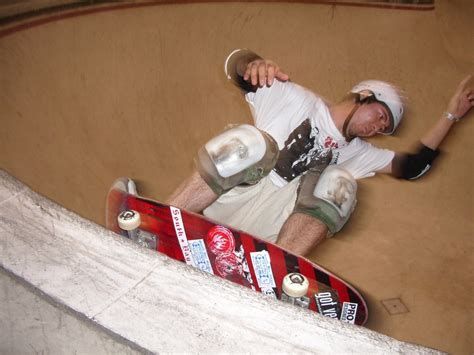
470 99
465 86
467 89
463 99
251 73
251 67
465 81
270 75
263 72
273 72
282 76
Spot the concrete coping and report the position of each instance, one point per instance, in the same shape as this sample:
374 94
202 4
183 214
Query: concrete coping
152 302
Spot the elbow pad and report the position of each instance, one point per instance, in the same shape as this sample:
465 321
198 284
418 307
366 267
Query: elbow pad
416 165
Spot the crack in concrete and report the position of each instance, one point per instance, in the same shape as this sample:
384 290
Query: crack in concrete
127 291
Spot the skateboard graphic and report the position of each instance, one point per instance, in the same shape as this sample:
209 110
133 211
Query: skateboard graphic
231 254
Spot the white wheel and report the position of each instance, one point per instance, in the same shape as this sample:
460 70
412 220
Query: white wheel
295 285
129 220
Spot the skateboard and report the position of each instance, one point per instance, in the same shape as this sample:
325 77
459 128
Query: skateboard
231 254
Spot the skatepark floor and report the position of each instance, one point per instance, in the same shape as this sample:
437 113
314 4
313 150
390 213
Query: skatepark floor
87 96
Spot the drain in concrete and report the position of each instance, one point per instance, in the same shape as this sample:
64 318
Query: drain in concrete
395 306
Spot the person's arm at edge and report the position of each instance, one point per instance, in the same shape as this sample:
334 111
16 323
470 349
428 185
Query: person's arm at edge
413 166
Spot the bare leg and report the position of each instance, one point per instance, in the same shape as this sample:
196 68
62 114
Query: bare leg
301 233
193 194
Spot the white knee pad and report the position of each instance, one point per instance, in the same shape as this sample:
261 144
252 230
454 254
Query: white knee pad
242 154
329 196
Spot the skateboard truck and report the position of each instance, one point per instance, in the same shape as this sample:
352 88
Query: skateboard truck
295 286
129 221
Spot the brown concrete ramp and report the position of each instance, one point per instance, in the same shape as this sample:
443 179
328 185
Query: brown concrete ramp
136 91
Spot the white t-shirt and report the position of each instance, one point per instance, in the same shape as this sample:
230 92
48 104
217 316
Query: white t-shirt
302 126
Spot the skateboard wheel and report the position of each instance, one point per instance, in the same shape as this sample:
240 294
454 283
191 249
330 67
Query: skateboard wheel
295 285
129 220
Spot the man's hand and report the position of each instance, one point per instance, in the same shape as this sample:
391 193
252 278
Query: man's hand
262 72
463 99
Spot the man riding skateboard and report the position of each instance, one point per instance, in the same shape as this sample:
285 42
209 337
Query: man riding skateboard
291 178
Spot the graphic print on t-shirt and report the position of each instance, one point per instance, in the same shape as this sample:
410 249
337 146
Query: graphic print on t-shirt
302 151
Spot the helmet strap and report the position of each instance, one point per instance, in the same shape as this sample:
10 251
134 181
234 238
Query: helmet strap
348 119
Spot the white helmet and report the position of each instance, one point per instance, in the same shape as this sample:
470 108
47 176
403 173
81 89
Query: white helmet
386 94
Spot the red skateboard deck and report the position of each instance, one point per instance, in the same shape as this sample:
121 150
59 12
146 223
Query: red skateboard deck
230 254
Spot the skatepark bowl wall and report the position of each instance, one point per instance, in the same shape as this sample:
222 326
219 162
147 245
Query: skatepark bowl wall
93 92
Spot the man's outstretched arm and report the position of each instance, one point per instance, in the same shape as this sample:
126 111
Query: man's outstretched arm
413 166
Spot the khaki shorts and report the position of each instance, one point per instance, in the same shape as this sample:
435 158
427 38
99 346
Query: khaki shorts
259 209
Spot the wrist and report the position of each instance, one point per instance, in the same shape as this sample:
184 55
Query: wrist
451 117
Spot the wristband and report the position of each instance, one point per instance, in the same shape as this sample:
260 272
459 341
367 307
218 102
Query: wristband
451 117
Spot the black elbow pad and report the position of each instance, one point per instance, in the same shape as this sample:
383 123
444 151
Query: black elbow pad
416 165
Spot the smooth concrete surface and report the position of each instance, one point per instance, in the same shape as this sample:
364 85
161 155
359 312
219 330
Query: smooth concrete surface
32 325
135 92
146 299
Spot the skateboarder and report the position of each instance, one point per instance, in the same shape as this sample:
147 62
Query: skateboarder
290 179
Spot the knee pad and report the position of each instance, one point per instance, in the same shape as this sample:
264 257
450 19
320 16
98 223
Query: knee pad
328 195
240 155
